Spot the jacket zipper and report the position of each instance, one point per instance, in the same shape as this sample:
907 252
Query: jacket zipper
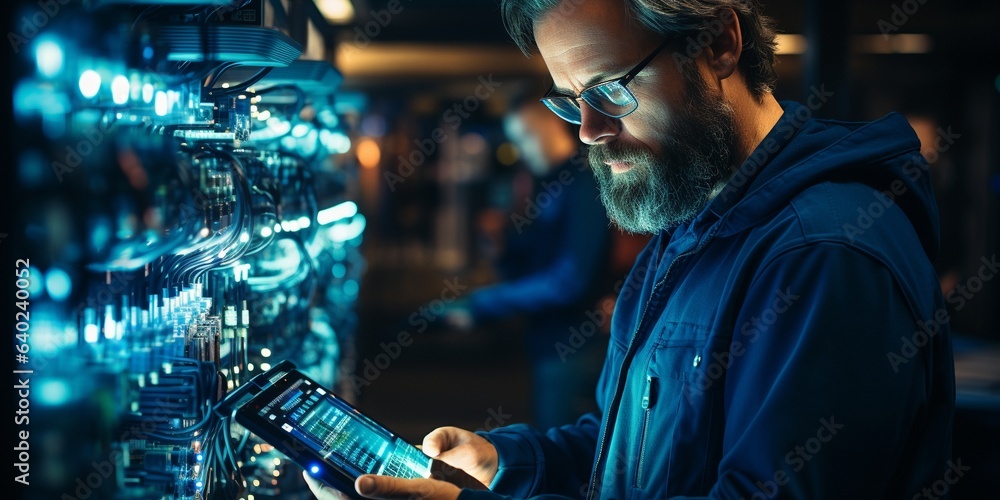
629 354
648 400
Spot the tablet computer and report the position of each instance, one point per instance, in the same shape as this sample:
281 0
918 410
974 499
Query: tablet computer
327 436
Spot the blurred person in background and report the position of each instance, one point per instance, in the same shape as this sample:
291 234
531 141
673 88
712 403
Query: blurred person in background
552 260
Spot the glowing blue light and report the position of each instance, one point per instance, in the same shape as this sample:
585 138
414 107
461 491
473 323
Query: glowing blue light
119 89
58 284
351 288
288 142
304 222
336 142
54 392
300 130
339 270
266 232
337 212
162 105
90 83
244 237
147 52
199 485
199 457
278 126
36 283
49 58
309 143
346 232
147 93
110 325
91 333
314 469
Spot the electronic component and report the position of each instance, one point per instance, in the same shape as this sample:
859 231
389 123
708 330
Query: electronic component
171 215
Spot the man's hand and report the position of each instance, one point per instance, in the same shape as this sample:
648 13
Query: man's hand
322 491
464 450
370 486
456 447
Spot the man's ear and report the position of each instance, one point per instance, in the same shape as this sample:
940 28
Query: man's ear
727 43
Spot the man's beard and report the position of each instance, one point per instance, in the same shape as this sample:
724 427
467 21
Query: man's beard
661 192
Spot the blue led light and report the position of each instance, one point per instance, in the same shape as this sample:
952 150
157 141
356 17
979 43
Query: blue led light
58 284
49 58
339 270
337 212
300 130
90 83
346 231
54 392
351 288
120 89
314 469
36 283
161 104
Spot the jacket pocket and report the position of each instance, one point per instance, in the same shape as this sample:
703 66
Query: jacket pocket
679 424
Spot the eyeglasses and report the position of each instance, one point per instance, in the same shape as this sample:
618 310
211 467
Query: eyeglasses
611 97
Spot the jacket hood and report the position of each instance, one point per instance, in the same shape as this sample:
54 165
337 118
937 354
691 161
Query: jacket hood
800 151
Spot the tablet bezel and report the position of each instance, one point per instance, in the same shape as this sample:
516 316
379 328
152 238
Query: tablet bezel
247 414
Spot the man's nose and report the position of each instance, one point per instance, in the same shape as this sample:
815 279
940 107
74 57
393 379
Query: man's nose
597 127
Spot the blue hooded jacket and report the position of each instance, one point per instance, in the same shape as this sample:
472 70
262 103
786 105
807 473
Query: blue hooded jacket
789 342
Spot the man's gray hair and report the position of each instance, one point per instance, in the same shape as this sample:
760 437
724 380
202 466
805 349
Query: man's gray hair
672 18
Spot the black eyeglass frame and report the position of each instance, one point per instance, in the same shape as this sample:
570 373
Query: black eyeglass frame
550 98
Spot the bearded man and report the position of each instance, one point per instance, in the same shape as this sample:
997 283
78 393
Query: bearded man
783 335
